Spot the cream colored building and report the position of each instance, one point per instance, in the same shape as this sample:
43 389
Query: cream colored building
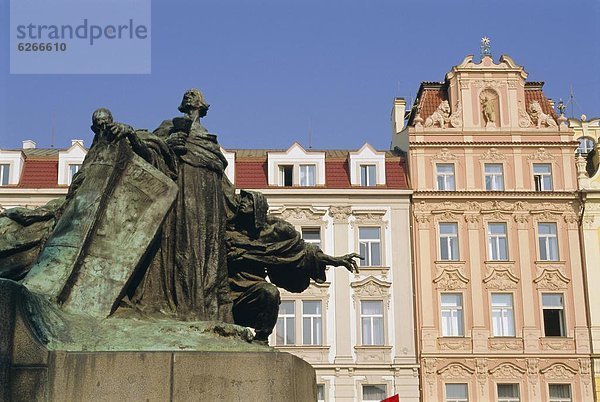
357 330
501 307
587 133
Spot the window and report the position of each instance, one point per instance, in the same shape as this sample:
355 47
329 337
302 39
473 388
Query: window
554 314
369 242
542 176
497 242
367 175
452 314
445 176
73 169
312 235
373 393
312 327
548 241
586 145
494 178
308 175
320 392
508 393
286 175
457 393
449 241
371 319
560 392
4 174
285 329
503 316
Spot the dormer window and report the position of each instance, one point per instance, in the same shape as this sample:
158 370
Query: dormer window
286 175
73 169
4 174
368 175
308 175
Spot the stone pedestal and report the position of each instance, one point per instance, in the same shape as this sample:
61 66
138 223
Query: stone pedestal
31 371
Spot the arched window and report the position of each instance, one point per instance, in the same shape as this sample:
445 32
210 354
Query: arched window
586 145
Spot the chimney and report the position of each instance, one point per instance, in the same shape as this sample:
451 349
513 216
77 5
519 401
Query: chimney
80 142
398 115
28 144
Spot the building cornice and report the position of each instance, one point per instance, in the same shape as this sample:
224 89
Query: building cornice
503 144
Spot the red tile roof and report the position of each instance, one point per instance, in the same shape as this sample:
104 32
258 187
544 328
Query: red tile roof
538 95
337 173
251 173
39 173
431 98
395 175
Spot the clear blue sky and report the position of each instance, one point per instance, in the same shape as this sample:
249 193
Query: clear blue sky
274 69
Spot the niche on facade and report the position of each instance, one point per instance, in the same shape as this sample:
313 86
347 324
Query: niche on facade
489 102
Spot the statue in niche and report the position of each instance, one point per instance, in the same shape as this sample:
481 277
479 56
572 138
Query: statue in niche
489 101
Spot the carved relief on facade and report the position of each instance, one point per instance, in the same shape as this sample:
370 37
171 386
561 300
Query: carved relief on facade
490 108
472 221
505 344
423 220
492 155
522 220
369 217
540 155
456 370
451 278
533 366
454 344
552 279
440 117
559 371
487 83
571 220
304 214
524 119
588 221
481 373
340 213
444 155
370 288
539 118
507 371
500 278
429 370
456 116
560 344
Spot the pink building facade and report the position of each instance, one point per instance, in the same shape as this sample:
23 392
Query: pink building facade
500 296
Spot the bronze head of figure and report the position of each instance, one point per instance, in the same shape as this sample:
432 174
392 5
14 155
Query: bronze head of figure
101 118
193 100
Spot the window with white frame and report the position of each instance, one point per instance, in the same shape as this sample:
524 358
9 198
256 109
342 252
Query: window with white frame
542 176
373 393
308 175
73 169
312 235
508 393
457 393
548 241
497 242
560 393
586 145
494 177
368 175
503 315
449 241
320 392
452 314
312 322
371 319
285 330
445 176
286 175
369 242
554 314
4 174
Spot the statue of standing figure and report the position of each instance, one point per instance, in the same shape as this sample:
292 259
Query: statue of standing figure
488 108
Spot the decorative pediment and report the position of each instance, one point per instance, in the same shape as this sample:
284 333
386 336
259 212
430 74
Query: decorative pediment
444 155
456 370
540 155
501 278
492 155
300 214
451 278
369 217
551 279
559 371
371 287
507 370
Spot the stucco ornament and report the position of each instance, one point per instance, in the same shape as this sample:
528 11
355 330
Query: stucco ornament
524 119
451 279
456 116
341 213
488 108
440 116
456 370
444 155
551 279
539 117
501 278
493 155
559 371
507 371
300 214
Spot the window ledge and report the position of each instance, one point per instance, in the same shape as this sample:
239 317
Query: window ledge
373 353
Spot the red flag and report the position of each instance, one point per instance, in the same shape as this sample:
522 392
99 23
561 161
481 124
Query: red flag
394 398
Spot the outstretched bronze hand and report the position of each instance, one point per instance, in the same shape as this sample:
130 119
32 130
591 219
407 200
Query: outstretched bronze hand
348 261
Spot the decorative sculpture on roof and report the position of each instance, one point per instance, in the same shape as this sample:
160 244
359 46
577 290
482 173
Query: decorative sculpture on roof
486 47
538 116
489 100
440 117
